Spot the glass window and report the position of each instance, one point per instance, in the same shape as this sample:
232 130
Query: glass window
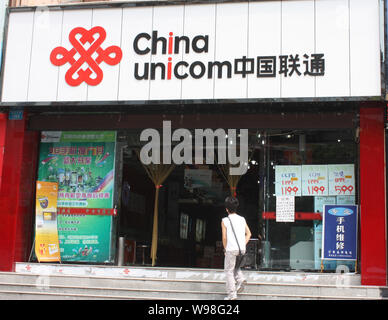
297 245
191 201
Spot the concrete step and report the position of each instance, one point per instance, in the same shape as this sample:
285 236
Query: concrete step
184 285
187 273
52 286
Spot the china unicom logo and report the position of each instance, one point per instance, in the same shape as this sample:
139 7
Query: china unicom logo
89 53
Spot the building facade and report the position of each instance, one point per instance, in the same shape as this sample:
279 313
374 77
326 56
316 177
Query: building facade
291 92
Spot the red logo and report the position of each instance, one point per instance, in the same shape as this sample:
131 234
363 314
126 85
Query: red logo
86 43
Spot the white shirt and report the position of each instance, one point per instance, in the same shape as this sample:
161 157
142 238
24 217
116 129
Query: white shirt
239 224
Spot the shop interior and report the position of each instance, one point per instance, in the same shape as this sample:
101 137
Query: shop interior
189 225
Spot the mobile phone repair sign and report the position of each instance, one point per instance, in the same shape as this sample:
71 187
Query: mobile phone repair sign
339 240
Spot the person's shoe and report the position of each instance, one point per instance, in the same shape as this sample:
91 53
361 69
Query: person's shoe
233 297
241 286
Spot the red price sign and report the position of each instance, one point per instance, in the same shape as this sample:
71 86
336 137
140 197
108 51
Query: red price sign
316 190
343 189
289 191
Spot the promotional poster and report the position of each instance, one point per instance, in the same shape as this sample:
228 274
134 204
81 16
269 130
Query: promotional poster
46 230
82 163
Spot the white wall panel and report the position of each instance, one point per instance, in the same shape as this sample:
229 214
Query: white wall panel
264 41
135 21
17 57
43 82
231 43
110 20
364 48
71 20
199 20
332 39
173 15
297 38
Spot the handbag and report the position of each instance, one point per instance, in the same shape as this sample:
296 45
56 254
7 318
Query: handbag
241 258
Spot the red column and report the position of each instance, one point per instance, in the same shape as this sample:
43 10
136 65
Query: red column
372 197
17 186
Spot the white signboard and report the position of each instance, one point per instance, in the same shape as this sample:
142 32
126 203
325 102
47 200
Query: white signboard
285 209
288 181
341 180
314 180
241 50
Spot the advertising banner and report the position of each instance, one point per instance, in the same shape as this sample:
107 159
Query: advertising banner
339 241
82 163
46 231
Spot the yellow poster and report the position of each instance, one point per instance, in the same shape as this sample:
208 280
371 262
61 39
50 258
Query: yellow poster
46 231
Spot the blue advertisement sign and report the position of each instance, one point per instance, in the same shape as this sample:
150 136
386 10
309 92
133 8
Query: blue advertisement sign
339 241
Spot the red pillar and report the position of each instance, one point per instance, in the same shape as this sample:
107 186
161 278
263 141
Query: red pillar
372 197
17 188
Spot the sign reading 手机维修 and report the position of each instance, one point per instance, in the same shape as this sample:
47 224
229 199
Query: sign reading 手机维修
244 50
339 241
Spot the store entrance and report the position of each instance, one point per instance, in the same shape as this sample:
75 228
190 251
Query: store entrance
190 209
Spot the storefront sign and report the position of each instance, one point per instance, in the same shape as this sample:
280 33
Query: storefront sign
46 231
195 51
314 180
285 209
340 232
288 181
83 165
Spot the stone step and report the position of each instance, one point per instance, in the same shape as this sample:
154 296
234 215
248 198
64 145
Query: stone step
187 273
191 285
152 288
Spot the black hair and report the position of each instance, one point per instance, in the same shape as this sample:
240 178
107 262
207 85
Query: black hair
231 203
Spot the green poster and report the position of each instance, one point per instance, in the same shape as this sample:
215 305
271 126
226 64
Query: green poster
83 165
84 238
